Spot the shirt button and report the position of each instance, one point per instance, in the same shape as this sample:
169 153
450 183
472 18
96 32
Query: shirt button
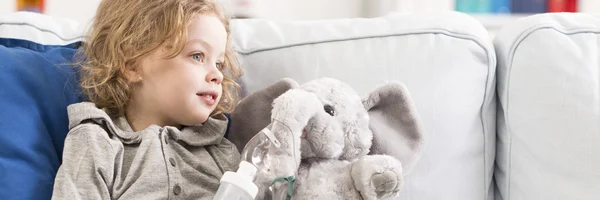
172 161
176 189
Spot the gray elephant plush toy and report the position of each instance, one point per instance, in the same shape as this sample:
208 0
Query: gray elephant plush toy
339 146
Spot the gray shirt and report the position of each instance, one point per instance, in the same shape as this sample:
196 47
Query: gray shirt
104 159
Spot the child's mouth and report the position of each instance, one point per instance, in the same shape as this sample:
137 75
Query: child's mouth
209 97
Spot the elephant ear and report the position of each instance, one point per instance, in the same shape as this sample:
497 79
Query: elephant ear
395 123
253 113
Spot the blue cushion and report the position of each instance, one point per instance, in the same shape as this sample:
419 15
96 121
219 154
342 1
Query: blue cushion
36 86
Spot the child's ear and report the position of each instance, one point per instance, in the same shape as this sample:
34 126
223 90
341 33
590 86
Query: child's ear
132 73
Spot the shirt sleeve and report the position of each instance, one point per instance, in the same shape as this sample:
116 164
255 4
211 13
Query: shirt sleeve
87 169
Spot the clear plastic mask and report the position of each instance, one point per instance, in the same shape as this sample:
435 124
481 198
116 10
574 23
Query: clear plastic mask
257 152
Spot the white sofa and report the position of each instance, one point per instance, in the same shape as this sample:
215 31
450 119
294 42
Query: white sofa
517 118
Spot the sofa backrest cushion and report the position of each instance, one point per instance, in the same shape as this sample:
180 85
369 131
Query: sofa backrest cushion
549 113
446 60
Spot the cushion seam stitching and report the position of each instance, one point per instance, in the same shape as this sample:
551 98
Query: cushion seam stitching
417 32
43 30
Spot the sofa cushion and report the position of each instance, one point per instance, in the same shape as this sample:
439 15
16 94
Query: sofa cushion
446 60
36 85
549 113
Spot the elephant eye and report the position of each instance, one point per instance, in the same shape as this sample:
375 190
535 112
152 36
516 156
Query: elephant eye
329 110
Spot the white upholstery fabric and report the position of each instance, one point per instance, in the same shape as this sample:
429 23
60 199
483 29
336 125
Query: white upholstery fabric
42 29
446 60
549 118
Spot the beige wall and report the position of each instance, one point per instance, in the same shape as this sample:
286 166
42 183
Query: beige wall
83 10
310 9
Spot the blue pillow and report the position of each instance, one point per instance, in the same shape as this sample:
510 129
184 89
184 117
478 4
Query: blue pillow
36 86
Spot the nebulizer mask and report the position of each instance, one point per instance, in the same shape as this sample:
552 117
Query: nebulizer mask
256 157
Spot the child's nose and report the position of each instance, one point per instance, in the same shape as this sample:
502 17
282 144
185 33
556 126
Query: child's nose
214 76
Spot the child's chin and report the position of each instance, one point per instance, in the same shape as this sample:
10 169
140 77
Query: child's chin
201 118
199 114
195 119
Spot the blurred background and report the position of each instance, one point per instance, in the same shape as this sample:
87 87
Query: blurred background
492 13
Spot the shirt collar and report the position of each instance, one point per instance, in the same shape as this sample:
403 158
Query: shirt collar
208 133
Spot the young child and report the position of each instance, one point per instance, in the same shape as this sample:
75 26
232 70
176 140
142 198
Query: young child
160 75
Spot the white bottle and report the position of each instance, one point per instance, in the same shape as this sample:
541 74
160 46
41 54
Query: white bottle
238 185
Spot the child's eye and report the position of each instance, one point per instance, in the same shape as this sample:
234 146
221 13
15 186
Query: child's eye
198 57
220 65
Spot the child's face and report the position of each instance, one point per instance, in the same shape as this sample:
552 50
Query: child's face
186 89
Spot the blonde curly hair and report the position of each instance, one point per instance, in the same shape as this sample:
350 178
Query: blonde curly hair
126 31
